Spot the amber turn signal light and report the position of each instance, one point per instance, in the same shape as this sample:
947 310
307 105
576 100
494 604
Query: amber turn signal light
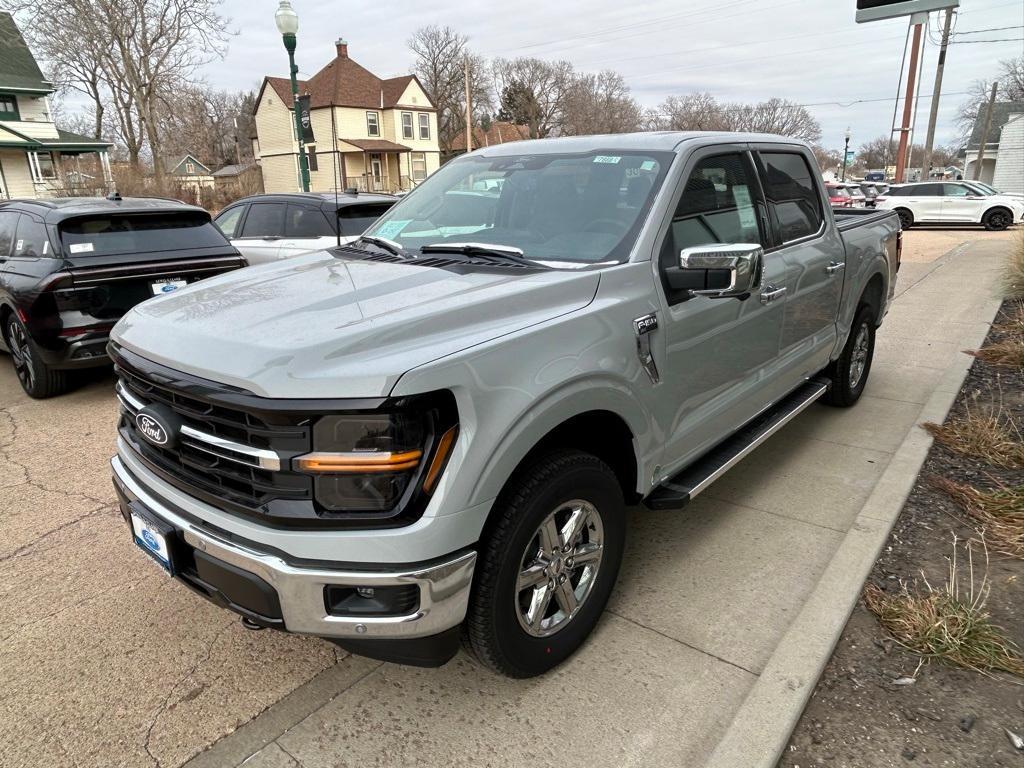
356 462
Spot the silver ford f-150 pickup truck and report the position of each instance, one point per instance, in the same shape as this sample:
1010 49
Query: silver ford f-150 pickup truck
434 431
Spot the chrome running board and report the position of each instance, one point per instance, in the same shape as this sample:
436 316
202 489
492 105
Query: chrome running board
678 490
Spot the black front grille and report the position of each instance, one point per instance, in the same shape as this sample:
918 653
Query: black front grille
191 465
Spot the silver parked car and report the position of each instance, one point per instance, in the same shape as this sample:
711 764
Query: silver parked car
438 426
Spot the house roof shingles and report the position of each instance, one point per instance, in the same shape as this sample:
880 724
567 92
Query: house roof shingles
18 68
344 83
1001 112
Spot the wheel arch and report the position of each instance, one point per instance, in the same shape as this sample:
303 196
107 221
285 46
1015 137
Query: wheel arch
873 295
997 207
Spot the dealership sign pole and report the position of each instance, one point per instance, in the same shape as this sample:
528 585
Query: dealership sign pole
918 10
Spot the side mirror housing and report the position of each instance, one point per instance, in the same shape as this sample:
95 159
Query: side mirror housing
719 271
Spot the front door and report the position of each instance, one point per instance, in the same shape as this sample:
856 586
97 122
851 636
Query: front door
960 203
377 173
721 354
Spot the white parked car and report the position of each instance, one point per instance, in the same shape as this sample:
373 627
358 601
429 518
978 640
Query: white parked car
951 202
266 228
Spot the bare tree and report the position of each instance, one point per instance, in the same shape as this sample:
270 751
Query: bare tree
1011 88
600 103
774 116
693 112
441 54
533 92
827 159
204 121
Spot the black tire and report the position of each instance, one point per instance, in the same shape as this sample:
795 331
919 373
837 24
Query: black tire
37 378
496 626
847 384
906 218
997 219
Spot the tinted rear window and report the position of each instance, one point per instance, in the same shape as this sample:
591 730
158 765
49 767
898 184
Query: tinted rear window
355 219
138 233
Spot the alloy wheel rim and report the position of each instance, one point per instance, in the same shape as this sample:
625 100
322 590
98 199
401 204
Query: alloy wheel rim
559 568
859 358
21 354
998 220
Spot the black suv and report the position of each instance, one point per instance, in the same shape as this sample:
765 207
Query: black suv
70 267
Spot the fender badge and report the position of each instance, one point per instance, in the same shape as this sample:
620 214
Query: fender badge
643 327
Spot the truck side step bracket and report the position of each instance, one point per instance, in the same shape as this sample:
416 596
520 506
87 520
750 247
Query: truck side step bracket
678 490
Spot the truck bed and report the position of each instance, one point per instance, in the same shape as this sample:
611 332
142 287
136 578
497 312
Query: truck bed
848 218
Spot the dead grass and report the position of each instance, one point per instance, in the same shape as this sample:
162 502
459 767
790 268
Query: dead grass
1013 271
950 623
986 435
1008 353
1000 512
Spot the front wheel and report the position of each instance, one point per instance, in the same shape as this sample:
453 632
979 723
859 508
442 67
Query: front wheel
548 564
849 374
37 378
997 220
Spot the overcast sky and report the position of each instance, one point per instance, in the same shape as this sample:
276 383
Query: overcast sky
807 51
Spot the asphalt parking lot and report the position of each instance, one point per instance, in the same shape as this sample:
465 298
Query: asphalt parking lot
107 662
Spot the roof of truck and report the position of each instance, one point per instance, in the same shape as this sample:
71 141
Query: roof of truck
651 141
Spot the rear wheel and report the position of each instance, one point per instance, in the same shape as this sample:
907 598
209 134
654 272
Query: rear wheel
849 374
37 378
548 564
906 218
997 219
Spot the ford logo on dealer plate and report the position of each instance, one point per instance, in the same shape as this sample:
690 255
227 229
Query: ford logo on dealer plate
151 428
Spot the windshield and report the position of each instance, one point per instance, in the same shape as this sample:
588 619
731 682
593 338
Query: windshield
108 235
985 189
582 208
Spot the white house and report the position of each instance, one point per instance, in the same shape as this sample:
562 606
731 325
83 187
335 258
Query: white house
1003 163
38 159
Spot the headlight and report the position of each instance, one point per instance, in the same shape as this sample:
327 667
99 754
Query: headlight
377 462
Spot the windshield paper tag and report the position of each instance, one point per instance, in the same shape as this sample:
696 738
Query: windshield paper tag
390 229
607 159
80 247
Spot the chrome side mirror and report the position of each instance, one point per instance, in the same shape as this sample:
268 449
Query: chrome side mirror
720 271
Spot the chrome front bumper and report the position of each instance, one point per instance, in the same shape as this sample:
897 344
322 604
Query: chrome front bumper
443 587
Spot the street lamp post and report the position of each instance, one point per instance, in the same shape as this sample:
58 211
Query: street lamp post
288 24
846 152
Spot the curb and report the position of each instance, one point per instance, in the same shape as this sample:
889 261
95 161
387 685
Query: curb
762 726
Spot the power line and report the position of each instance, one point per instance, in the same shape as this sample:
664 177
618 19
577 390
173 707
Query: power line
990 29
840 104
997 40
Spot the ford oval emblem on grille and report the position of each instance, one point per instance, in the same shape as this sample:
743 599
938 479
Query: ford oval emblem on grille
152 428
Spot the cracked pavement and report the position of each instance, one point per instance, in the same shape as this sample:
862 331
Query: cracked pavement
105 660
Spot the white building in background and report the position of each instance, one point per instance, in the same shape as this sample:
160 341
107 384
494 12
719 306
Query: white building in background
1003 163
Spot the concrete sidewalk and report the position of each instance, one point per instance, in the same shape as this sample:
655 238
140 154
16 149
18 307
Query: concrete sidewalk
706 596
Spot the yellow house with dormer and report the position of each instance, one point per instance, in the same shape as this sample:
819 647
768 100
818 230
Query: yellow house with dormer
370 134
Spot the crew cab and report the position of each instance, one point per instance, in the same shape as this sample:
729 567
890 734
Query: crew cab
437 427
951 202
71 267
278 226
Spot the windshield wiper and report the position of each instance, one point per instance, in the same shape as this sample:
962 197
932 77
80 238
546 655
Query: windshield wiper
505 252
388 245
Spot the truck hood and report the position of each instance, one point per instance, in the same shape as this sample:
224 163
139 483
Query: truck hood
317 326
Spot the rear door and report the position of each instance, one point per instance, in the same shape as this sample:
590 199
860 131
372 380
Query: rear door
306 228
721 354
262 230
959 203
925 201
813 253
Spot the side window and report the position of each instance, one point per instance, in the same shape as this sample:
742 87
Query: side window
717 206
955 190
8 223
303 221
792 195
926 190
264 220
227 221
31 240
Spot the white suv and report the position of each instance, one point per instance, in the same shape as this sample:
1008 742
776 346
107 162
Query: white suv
951 202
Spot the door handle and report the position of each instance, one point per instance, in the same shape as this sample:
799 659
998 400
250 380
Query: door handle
771 293
835 266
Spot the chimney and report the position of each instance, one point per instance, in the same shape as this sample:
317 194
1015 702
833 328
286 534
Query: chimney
341 45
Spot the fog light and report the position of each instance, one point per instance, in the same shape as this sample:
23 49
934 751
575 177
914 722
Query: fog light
398 600
366 592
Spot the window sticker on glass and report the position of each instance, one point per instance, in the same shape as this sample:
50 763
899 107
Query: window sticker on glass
648 165
607 159
19 245
392 228
81 248
745 207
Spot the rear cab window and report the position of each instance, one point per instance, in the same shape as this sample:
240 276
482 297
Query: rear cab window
792 193
126 233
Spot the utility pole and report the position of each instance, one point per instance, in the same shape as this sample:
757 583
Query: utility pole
469 107
908 106
984 133
926 161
